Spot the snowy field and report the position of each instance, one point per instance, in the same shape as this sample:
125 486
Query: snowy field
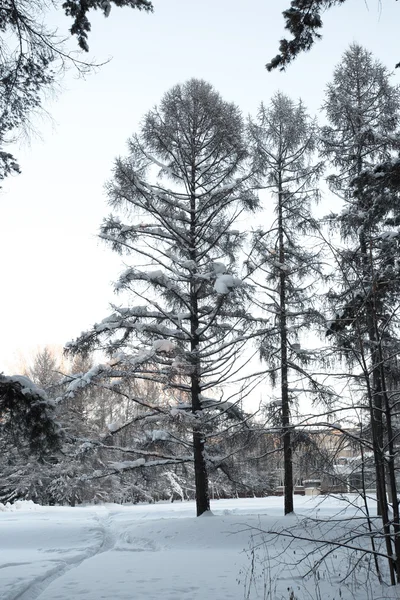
162 552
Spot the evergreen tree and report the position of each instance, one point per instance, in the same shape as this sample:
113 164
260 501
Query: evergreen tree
182 188
28 428
284 142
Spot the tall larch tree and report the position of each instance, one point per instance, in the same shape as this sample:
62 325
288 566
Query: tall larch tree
182 188
284 141
362 108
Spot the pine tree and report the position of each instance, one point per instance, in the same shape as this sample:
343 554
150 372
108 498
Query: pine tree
284 142
182 188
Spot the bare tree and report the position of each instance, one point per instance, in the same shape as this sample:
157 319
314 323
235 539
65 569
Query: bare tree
182 187
284 149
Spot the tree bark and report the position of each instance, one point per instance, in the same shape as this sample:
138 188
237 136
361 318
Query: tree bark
287 443
200 465
375 393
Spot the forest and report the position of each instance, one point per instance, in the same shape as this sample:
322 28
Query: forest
243 355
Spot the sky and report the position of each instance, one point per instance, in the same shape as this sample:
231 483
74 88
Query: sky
57 276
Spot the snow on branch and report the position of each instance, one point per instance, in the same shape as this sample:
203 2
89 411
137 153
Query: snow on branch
101 372
156 278
130 465
27 387
225 283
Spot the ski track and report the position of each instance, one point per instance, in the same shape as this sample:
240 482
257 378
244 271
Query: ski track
35 588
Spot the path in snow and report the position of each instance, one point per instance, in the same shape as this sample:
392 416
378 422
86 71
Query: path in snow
153 558
141 552
89 534
148 552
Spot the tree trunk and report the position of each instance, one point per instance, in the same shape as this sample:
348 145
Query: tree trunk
376 397
390 451
200 465
287 443
375 394
201 475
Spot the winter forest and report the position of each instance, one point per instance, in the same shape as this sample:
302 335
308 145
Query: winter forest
251 349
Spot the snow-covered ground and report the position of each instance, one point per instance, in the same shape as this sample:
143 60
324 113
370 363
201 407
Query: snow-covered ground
162 552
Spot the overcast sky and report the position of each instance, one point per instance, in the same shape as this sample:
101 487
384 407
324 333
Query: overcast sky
56 275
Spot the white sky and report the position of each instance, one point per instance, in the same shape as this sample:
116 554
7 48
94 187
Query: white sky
56 275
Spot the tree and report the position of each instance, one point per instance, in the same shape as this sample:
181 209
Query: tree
46 451
78 10
46 369
26 414
183 187
28 427
363 111
303 21
362 108
32 56
284 141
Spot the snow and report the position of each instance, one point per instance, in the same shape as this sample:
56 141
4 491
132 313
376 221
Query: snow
158 274
389 235
27 386
127 464
163 346
276 402
113 427
188 264
224 283
157 435
81 380
181 365
219 268
153 551
19 505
